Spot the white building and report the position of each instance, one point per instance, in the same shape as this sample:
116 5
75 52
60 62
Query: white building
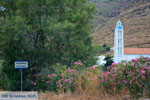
101 60
121 53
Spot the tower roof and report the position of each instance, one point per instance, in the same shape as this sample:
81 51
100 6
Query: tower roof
119 25
137 51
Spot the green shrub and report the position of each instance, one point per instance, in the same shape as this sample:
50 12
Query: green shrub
109 61
3 78
3 84
104 48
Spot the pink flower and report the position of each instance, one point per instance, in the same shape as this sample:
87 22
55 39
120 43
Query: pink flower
69 70
130 72
34 84
115 68
143 72
143 77
54 75
107 73
60 86
110 71
131 81
113 75
136 59
78 63
70 81
66 80
62 78
133 64
106 79
124 76
108 67
93 67
42 77
62 74
48 76
59 82
147 67
114 64
35 75
102 80
42 80
138 76
125 81
147 59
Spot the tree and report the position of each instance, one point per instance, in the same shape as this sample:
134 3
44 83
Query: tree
45 32
109 61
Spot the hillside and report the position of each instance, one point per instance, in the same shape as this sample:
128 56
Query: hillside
107 9
136 21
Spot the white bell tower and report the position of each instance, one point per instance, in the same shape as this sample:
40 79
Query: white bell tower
118 43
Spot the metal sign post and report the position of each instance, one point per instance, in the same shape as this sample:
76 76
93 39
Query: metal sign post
21 80
21 65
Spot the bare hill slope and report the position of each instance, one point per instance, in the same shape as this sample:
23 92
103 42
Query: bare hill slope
136 22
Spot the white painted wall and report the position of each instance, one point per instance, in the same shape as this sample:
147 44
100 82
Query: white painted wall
130 57
101 60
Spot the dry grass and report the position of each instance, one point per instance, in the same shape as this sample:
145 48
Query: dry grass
52 96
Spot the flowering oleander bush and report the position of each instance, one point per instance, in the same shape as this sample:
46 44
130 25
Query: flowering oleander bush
132 75
63 78
78 66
